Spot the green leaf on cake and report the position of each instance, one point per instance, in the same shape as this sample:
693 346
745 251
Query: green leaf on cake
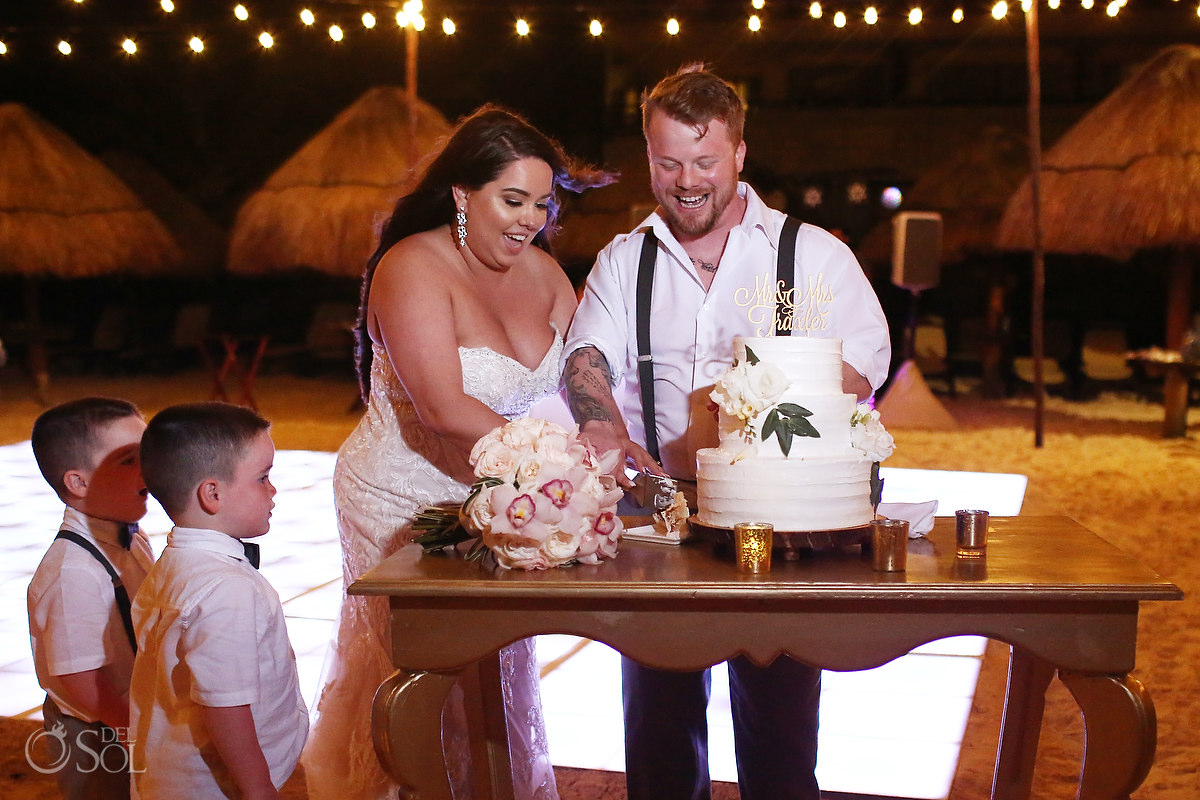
750 357
876 487
785 421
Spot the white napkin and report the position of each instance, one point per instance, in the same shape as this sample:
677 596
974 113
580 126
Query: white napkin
919 515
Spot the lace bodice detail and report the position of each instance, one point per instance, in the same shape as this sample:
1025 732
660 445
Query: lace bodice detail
500 382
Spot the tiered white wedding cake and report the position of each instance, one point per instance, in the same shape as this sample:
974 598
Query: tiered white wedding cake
795 451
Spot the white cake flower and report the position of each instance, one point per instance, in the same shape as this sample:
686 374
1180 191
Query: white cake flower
868 434
746 390
765 382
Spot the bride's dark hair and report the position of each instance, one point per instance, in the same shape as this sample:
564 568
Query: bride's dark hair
480 148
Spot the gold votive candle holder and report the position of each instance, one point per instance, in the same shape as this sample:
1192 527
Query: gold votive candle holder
889 545
752 546
970 533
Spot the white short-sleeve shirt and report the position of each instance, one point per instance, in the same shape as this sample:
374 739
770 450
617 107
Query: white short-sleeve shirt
691 330
74 625
210 632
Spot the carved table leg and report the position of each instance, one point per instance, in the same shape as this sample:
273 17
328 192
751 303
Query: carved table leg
406 724
1024 702
1120 733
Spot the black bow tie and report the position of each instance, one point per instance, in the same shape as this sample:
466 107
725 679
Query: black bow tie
125 532
251 551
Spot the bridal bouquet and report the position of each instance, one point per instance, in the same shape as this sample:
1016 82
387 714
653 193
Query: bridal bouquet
543 498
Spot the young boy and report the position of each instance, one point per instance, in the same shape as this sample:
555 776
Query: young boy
216 705
79 626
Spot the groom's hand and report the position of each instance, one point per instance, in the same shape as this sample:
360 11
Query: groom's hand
605 437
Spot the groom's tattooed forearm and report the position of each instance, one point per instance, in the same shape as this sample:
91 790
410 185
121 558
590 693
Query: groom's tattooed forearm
588 379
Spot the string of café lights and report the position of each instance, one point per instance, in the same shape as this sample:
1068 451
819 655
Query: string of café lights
412 14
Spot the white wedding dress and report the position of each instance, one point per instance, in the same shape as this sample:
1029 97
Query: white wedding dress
388 468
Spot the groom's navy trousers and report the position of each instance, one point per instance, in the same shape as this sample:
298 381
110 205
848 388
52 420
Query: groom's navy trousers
774 728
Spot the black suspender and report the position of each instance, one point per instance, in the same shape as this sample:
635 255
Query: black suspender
785 271
118 586
645 283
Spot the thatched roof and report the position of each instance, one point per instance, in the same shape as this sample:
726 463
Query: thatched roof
969 189
63 213
202 240
321 209
1127 175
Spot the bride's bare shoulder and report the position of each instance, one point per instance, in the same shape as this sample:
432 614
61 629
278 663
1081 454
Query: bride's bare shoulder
415 257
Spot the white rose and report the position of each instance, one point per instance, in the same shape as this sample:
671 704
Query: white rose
561 546
496 461
488 440
729 390
765 383
528 470
479 512
873 440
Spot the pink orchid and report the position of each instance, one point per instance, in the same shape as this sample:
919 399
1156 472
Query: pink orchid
559 491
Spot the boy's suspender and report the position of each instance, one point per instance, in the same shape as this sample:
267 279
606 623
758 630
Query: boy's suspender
785 273
118 586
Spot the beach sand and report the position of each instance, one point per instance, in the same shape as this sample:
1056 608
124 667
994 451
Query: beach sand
1103 463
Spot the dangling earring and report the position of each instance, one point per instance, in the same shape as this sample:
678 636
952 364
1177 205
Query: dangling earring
461 219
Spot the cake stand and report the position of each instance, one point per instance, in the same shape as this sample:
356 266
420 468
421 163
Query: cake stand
791 542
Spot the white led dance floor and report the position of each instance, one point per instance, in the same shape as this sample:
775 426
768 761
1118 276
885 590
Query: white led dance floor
909 751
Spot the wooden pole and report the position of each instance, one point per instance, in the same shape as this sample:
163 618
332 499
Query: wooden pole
1179 309
1035 193
410 80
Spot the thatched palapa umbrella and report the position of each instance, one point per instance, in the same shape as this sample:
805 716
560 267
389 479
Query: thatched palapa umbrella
63 213
321 208
1126 177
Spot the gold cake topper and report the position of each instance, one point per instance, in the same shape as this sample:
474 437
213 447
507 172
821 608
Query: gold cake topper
803 309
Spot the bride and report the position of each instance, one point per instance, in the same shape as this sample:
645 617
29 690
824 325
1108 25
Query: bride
460 329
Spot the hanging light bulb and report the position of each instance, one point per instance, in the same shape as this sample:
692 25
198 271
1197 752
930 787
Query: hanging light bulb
266 40
957 16
1026 5
915 16
1054 3
307 17
754 23
335 33
418 23
240 12
595 28
871 16
839 20
814 10
129 46
757 5
368 20
522 28
673 26
1112 8
1087 4
3 49
197 44
64 47
1000 10
167 6
448 26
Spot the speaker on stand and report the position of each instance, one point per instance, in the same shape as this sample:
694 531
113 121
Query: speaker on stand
916 262
916 266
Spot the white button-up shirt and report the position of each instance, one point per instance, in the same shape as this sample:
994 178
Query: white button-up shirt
691 330
74 625
210 632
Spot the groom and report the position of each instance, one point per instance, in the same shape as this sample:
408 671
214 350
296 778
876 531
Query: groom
710 251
